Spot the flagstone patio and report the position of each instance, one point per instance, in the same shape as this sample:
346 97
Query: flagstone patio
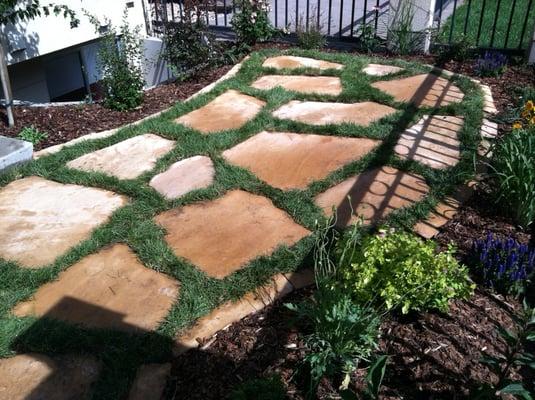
232 232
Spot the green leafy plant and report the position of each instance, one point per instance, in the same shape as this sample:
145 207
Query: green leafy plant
402 270
309 33
344 333
32 134
119 63
460 50
513 356
190 47
251 23
270 388
402 39
513 175
374 380
367 38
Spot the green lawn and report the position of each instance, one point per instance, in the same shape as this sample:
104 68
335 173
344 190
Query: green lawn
489 13
120 353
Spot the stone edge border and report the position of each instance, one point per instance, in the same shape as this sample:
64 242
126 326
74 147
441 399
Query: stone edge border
449 207
203 333
105 134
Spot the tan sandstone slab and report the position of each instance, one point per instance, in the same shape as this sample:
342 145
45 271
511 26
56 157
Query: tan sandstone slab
184 176
372 195
324 113
293 62
330 85
231 110
422 90
110 289
38 377
223 235
41 219
381 70
294 160
150 382
433 141
127 159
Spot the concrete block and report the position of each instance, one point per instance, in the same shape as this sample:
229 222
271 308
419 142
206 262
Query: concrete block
13 152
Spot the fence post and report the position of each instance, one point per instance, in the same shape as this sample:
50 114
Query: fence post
531 49
424 15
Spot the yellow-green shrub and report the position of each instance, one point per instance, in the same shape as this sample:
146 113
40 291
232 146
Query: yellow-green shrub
401 270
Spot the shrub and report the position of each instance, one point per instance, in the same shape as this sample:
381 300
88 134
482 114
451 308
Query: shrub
400 269
251 24
309 34
260 389
119 62
367 38
460 50
32 134
503 264
190 47
343 333
491 64
513 175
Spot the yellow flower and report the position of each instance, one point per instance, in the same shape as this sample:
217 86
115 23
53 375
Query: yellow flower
517 125
529 105
532 121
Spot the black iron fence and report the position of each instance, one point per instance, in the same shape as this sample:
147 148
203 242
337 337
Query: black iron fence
488 24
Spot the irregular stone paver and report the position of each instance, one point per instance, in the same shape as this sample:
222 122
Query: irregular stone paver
422 90
372 195
37 377
150 382
381 70
433 141
323 113
293 62
184 176
231 110
41 219
299 83
294 160
109 289
127 159
222 235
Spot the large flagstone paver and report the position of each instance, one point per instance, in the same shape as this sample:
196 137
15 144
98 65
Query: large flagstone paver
293 62
223 235
109 289
422 90
324 113
381 70
127 159
184 176
294 160
433 141
330 85
39 377
372 195
41 219
231 110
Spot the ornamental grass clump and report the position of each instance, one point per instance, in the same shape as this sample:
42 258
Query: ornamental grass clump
504 264
400 270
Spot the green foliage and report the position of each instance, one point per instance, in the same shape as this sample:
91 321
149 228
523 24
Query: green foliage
343 333
260 389
402 39
513 356
459 50
251 24
309 35
367 38
32 134
374 380
513 175
401 270
119 62
190 47
12 11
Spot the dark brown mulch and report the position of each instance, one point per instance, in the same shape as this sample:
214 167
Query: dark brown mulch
64 123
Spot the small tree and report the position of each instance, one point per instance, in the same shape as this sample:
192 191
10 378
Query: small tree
119 61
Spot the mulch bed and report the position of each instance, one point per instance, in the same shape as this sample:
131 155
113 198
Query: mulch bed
432 355
64 123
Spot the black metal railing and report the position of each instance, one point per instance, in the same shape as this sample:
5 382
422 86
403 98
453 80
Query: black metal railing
489 24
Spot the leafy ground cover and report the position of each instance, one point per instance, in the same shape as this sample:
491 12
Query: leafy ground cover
466 23
120 353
